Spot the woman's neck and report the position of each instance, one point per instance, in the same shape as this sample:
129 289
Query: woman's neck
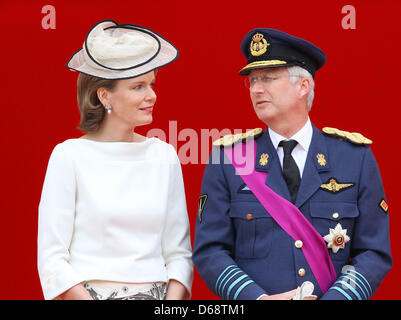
108 134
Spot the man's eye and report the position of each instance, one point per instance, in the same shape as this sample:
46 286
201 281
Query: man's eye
138 87
267 79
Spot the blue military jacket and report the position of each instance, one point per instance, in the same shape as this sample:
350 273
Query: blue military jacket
242 253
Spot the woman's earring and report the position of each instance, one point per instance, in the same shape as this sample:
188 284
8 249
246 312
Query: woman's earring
108 108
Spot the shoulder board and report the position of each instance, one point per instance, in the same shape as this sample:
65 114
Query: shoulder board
230 139
353 137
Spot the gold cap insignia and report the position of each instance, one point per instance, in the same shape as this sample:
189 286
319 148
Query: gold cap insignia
230 139
333 186
264 158
353 137
258 45
321 159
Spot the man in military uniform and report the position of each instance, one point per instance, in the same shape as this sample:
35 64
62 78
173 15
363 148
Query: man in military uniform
311 210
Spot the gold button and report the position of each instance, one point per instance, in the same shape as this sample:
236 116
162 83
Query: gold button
301 272
249 216
298 244
335 215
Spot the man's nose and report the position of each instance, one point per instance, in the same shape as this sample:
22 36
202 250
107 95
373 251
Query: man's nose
257 87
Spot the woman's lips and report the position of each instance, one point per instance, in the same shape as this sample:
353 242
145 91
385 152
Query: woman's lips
147 109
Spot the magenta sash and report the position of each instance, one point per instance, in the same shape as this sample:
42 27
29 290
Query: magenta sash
289 217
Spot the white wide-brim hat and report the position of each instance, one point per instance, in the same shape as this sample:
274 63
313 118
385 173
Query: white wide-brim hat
121 51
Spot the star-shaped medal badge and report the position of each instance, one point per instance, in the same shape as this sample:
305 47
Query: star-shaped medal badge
337 238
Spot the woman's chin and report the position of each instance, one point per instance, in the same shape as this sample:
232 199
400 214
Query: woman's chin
143 121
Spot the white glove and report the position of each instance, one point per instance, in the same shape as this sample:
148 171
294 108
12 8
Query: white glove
305 291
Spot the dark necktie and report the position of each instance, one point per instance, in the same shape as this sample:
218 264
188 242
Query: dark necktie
290 168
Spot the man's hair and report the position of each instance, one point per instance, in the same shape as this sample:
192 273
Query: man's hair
91 109
297 72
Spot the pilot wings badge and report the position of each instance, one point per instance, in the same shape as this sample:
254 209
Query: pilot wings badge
333 186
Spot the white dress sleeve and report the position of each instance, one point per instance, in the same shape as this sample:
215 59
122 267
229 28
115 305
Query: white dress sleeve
56 225
176 240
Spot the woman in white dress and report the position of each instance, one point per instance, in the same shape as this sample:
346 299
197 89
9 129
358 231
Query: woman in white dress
113 222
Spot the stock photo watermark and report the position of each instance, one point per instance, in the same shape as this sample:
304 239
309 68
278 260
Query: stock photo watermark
349 19
193 147
48 22
49 18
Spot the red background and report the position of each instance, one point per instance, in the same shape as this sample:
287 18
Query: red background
357 90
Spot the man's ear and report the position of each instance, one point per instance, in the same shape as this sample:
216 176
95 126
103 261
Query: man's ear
304 86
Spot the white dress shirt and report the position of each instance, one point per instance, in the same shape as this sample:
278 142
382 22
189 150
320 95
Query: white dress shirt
300 152
113 211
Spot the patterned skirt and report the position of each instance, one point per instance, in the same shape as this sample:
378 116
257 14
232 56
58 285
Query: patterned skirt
109 290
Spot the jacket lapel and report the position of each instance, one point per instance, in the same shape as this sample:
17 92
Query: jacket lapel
274 180
317 161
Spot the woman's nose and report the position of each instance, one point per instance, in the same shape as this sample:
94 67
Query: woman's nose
151 95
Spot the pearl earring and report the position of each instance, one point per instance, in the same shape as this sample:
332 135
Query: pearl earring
108 108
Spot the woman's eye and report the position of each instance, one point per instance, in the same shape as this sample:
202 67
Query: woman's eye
138 87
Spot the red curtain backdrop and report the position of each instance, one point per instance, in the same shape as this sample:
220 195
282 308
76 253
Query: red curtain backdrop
357 90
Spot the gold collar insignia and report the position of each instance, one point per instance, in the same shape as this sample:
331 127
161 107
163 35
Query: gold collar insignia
264 158
321 159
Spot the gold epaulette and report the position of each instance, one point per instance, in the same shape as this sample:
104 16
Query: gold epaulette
230 139
353 137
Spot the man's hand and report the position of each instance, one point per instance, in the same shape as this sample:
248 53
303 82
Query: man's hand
281 296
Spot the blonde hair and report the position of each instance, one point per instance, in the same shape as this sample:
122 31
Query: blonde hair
91 109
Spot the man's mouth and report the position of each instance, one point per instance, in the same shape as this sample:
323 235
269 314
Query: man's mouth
261 102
